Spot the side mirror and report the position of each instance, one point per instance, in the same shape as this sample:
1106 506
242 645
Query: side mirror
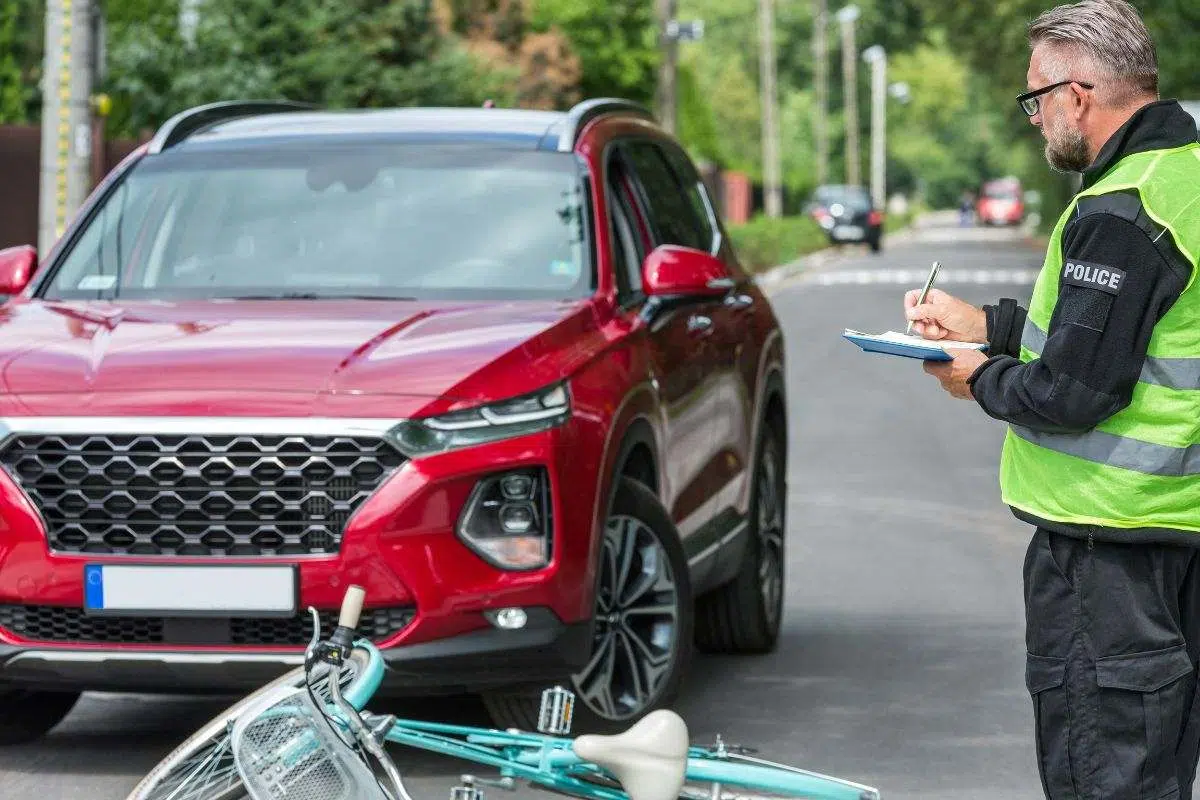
17 265
674 271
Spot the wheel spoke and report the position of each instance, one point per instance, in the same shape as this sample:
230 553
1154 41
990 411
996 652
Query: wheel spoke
653 610
627 544
654 660
596 679
637 686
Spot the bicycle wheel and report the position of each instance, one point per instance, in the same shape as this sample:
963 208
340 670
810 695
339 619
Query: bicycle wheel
202 768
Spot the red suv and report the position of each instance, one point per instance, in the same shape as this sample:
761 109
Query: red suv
500 367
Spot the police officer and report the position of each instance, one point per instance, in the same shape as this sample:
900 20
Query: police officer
1099 382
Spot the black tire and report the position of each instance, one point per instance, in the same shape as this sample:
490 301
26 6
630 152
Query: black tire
639 516
742 617
26 716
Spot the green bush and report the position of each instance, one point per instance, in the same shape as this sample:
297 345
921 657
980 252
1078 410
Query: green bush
765 242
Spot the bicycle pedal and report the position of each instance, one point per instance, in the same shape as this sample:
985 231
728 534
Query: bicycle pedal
558 706
466 790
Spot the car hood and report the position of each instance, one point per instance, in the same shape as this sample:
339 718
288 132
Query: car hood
272 349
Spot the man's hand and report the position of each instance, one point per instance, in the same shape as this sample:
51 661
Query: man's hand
953 374
943 316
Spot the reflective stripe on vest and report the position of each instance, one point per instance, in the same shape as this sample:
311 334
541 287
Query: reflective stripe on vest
1173 373
1141 466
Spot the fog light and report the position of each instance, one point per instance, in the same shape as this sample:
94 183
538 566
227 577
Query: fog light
510 619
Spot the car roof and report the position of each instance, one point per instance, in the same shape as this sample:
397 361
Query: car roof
225 123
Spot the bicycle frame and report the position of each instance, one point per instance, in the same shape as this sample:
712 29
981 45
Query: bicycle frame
551 762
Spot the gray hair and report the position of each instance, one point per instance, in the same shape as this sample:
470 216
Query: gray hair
1108 39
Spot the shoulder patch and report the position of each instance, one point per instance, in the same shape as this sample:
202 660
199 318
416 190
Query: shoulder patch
1089 275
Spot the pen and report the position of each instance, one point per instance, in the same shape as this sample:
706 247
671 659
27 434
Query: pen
933 271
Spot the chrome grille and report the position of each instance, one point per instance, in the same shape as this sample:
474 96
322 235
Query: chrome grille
197 495
61 624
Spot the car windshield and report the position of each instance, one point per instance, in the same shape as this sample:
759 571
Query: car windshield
1000 192
853 197
360 219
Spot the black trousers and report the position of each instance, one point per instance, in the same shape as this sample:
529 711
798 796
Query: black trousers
1113 640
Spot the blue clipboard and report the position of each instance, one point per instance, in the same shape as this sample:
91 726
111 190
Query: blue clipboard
915 348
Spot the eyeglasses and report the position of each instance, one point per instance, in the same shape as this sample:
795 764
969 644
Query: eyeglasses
1030 103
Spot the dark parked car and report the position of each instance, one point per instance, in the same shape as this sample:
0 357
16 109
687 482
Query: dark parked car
500 367
848 215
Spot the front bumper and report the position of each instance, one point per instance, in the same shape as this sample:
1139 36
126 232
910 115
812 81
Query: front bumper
545 650
400 545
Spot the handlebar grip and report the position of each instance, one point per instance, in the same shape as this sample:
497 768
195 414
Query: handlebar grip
352 605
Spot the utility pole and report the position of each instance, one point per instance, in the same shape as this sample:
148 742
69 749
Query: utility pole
668 44
876 56
772 191
68 69
821 70
847 16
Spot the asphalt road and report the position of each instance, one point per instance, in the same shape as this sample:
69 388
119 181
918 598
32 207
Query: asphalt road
902 659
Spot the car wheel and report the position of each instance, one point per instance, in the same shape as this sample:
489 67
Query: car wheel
26 716
744 615
642 643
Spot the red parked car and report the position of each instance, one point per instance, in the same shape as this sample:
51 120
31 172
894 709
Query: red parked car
1001 203
500 367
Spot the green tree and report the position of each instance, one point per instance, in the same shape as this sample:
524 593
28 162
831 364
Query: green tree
615 41
354 53
21 29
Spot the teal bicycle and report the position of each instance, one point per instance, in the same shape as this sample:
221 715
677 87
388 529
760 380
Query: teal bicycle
308 736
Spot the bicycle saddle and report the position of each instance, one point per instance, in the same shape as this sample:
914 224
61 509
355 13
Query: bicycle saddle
649 759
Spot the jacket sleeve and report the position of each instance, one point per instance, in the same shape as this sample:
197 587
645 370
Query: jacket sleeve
1097 337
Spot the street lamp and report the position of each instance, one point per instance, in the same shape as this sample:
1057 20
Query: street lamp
876 56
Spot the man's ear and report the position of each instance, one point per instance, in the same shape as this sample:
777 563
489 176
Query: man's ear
1081 99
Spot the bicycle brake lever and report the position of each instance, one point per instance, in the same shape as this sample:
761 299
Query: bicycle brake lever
310 653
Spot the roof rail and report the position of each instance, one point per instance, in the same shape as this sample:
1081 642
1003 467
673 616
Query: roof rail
583 113
185 123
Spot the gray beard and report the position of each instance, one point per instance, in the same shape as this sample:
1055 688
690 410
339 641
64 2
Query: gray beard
1069 154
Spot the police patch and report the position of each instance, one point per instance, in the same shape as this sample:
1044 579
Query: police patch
1092 276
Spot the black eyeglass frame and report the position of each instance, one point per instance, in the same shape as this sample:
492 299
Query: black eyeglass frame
1022 99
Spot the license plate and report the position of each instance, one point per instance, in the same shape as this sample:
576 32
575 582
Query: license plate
848 232
190 591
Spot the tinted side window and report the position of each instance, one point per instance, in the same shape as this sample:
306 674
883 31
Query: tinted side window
673 218
697 194
627 253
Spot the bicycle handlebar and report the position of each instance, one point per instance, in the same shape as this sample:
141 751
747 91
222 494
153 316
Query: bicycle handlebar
352 605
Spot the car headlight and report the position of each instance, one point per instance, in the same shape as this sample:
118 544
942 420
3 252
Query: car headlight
507 519
519 416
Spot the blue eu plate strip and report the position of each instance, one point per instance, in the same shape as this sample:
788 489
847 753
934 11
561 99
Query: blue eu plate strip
93 586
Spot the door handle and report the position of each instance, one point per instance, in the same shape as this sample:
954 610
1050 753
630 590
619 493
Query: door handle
739 301
699 324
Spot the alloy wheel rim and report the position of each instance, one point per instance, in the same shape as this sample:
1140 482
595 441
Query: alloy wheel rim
637 623
770 537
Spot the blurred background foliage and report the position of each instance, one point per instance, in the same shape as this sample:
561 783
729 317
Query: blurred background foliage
963 67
